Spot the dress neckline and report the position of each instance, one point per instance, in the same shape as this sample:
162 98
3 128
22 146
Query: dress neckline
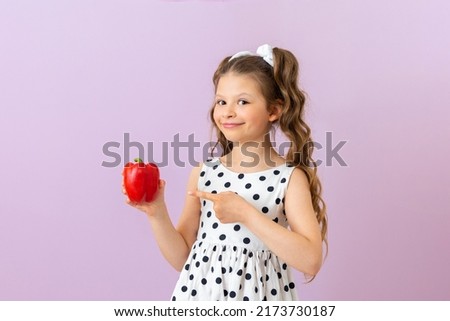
217 161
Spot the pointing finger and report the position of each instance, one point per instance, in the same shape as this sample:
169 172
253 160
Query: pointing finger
205 195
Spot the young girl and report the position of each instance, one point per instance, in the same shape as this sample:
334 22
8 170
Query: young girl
250 214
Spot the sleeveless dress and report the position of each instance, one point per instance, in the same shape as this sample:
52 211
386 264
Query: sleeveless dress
227 261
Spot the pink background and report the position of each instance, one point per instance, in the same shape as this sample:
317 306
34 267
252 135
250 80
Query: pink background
77 74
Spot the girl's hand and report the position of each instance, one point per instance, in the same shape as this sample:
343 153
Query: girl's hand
228 206
152 208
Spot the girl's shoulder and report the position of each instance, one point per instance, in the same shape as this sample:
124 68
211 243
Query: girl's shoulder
298 181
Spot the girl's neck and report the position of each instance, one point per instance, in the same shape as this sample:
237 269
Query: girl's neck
252 156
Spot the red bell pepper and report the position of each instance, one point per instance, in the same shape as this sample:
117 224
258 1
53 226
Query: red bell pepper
141 181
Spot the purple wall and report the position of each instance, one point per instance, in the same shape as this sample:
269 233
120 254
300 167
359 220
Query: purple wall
75 75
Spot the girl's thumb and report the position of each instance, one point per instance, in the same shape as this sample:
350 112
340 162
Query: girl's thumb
162 184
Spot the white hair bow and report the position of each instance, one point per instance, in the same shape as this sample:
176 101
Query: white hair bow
264 51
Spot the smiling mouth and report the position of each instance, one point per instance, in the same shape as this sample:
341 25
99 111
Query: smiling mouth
231 125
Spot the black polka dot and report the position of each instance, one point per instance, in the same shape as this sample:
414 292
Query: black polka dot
273 292
278 201
265 210
248 185
276 172
219 280
222 237
246 240
220 174
275 220
286 288
204 202
197 264
214 192
202 173
241 176
204 281
186 267
205 259
208 182
284 266
215 167
215 225
174 298
224 270
262 178
225 292
209 214
237 227
291 285
184 288
256 197
232 294
227 184
203 235
246 298
194 292
270 189
248 276
214 248
239 272
256 289
283 180
191 277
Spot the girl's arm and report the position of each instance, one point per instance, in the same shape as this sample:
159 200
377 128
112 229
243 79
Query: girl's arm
301 246
174 243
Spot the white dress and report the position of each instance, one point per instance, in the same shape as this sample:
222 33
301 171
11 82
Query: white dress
227 261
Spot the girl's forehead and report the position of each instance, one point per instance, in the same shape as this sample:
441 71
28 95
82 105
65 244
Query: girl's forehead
233 82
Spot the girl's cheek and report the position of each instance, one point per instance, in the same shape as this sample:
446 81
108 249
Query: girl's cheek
216 116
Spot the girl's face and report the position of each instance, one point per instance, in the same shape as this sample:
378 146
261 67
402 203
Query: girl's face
241 112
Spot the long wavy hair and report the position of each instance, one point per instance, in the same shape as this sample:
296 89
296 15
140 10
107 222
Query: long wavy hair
280 84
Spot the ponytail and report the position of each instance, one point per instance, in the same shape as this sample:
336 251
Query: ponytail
292 124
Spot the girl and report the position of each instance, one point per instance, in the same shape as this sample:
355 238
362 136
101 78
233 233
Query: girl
250 214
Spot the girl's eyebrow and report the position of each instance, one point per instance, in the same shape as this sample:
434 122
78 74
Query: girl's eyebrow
238 95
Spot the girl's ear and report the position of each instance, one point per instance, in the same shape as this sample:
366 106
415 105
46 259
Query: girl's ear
275 111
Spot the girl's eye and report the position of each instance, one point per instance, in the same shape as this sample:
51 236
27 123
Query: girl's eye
242 102
220 102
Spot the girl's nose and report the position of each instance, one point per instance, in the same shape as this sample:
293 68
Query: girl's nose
229 112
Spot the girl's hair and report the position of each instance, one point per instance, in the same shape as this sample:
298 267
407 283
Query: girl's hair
279 84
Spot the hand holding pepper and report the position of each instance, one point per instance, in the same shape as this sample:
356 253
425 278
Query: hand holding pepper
142 185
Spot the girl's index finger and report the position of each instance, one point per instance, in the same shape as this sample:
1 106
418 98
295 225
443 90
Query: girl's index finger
205 195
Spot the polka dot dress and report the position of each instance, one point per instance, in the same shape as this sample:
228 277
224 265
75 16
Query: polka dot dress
227 261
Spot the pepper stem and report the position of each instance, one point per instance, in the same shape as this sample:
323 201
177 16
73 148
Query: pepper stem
138 160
